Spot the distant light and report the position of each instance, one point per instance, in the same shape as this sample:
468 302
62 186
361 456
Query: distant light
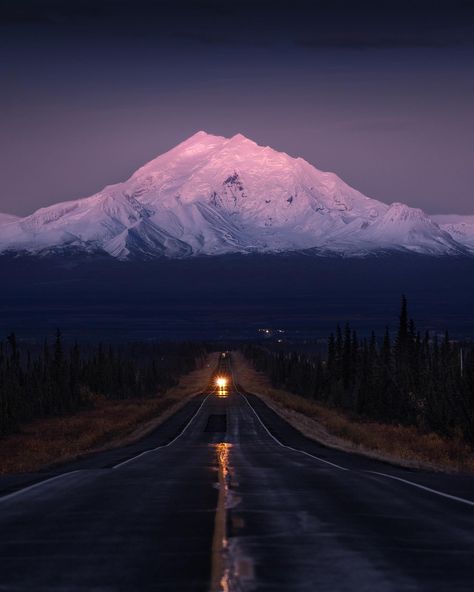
221 382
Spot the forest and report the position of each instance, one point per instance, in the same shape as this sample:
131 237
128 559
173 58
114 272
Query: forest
407 378
56 379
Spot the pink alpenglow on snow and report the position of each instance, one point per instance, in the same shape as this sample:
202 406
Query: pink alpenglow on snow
212 195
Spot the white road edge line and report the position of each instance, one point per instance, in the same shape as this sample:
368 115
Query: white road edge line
327 462
129 460
62 475
435 491
8 496
413 484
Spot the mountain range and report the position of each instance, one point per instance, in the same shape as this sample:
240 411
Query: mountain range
212 195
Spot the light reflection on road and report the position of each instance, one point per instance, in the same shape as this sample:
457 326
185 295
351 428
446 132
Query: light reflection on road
220 567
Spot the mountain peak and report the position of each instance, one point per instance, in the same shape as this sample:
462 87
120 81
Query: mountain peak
214 195
241 138
201 134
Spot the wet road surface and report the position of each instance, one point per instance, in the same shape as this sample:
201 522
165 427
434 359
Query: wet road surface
225 495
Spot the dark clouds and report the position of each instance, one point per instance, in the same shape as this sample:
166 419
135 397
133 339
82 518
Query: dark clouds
337 23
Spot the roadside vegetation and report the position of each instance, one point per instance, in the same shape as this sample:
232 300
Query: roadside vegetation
410 397
52 380
105 424
58 402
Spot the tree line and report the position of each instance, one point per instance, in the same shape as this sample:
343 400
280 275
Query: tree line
56 379
408 378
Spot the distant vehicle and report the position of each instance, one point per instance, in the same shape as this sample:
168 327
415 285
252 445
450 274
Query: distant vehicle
221 382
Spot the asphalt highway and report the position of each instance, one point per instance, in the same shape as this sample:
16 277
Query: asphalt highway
225 495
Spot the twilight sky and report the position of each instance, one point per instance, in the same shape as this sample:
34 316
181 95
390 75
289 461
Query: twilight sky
382 93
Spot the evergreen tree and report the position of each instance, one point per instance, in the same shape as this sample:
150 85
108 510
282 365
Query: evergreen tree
415 380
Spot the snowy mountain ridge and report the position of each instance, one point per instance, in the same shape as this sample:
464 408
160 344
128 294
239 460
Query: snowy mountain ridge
7 218
212 195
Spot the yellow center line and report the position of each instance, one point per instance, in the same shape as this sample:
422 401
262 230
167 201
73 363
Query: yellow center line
220 570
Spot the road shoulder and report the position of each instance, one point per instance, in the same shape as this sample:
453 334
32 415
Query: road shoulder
44 444
399 445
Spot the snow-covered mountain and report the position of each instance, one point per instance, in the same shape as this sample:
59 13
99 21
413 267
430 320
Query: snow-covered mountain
7 219
213 195
460 228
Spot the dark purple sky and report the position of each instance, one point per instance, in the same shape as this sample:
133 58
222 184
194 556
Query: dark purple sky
381 93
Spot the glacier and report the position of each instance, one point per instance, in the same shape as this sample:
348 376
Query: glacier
212 195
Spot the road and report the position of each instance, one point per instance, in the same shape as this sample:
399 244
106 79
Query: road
225 495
